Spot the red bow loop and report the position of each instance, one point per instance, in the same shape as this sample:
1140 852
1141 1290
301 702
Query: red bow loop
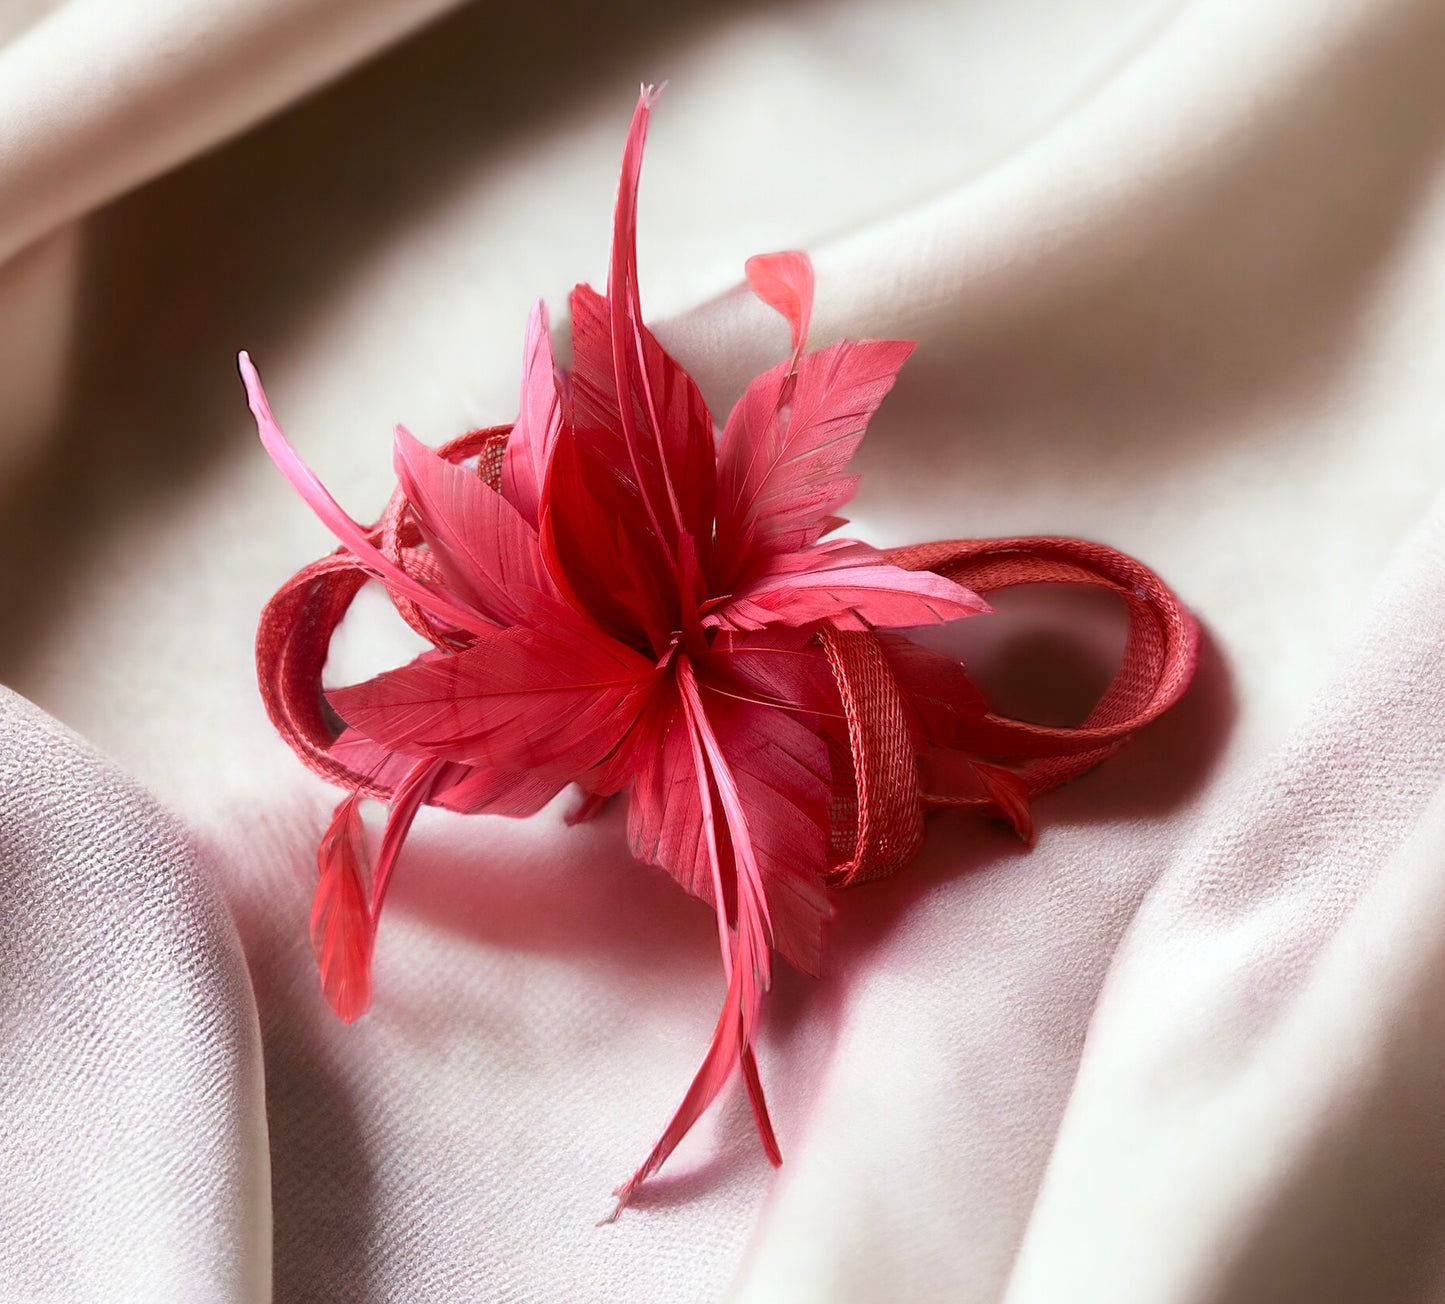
886 779
293 637
1160 651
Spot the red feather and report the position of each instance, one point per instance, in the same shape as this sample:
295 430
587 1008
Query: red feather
625 385
406 801
602 551
342 932
778 666
486 550
950 778
667 822
478 790
554 701
354 536
660 442
1009 793
466 789
783 474
780 767
751 971
850 588
662 415
639 606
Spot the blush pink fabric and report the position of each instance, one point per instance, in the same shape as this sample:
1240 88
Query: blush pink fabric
1177 275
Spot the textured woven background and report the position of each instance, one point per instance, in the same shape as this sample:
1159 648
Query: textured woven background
1178 276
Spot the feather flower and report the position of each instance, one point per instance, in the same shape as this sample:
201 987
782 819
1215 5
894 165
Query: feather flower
637 602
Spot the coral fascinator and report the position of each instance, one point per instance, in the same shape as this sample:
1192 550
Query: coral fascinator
622 595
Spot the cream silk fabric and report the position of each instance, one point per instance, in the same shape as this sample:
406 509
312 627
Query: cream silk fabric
1177 271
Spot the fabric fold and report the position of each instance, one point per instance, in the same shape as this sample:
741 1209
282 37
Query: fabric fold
132 1119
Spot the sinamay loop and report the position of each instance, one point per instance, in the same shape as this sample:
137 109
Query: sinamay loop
619 594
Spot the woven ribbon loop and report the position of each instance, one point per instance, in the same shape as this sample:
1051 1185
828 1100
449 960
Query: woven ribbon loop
881 828
878 822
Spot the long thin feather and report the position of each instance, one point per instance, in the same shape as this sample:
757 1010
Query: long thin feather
751 970
687 456
629 360
779 766
779 762
354 536
406 801
759 1102
539 418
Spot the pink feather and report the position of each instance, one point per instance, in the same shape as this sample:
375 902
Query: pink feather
406 801
478 790
803 588
950 778
600 549
626 384
466 789
751 971
780 767
553 700
668 824
637 606
354 536
785 282
671 473
539 418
